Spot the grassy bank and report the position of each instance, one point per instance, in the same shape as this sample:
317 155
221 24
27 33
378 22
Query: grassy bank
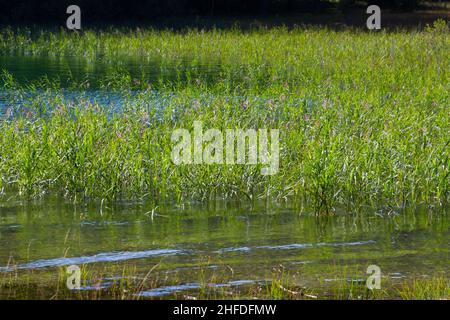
363 117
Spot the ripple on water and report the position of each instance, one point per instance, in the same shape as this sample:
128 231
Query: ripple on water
130 255
101 257
294 246
161 291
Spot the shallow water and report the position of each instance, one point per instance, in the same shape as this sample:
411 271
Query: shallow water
96 77
251 241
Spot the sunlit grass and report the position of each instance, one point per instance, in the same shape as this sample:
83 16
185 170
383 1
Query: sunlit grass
363 117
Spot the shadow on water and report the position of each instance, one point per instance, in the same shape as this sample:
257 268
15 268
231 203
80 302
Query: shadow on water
100 72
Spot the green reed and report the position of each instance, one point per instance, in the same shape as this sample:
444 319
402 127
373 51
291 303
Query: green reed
363 117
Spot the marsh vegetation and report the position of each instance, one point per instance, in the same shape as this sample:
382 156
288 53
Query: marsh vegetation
86 167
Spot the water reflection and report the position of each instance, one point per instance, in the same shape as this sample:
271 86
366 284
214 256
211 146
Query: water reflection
98 72
52 232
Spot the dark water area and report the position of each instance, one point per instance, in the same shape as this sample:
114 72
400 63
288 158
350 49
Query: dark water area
93 73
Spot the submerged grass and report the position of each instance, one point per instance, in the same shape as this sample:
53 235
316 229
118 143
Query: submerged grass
363 117
124 282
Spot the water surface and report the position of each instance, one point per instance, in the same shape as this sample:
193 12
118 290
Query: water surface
97 72
250 240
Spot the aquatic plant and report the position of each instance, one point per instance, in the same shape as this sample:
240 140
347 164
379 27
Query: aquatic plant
363 117
119 282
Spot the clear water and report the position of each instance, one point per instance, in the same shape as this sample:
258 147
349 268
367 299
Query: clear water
250 240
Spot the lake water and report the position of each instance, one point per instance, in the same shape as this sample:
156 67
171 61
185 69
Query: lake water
249 240
96 72
245 242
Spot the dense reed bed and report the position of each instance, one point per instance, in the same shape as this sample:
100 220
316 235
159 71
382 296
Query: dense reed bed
363 117
314 61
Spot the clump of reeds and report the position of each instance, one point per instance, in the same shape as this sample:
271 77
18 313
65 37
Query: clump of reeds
363 118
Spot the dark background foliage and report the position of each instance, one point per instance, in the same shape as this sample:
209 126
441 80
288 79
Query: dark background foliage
117 11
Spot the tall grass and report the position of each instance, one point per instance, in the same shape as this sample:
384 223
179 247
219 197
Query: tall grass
363 117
